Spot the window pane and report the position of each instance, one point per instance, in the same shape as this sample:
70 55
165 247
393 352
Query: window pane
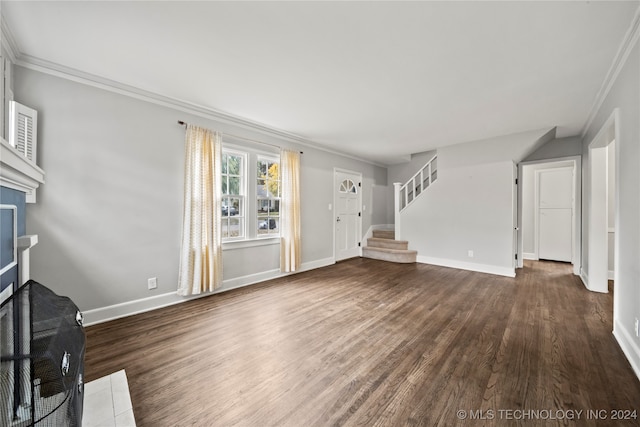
234 185
235 165
225 187
225 207
235 207
234 227
225 228
262 169
261 189
267 194
274 225
263 208
269 226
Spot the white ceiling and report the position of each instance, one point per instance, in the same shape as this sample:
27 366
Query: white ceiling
378 80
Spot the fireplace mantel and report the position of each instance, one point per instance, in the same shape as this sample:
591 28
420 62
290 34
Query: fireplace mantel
18 172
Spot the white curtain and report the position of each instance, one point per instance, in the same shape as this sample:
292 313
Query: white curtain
201 249
290 211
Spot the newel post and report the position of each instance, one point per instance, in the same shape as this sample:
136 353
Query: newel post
396 208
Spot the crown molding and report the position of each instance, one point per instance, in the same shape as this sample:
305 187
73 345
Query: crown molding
8 41
33 63
627 45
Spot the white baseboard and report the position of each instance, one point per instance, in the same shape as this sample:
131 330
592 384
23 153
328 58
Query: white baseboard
585 279
629 346
129 308
480 268
610 275
530 255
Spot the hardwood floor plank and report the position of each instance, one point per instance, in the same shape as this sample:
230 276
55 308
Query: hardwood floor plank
372 343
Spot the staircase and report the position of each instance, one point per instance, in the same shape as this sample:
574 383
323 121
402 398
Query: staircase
383 246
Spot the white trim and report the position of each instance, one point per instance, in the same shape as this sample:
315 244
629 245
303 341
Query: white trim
536 206
611 274
529 255
129 308
577 205
608 132
480 268
18 172
628 345
231 245
630 39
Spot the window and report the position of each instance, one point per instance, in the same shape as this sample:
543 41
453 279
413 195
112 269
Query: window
268 196
250 194
347 186
233 191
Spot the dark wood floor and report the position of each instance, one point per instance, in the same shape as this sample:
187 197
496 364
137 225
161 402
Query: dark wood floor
369 343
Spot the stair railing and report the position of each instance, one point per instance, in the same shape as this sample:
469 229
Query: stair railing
405 194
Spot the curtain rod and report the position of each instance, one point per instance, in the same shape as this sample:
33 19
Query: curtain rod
183 123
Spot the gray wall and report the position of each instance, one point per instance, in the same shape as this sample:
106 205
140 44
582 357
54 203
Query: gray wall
625 95
470 206
109 215
557 148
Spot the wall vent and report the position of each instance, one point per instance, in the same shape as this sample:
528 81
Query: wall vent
23 129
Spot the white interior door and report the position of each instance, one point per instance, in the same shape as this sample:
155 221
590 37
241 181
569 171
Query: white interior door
555 214
348 206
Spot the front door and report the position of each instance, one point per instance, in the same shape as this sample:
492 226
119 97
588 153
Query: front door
347 197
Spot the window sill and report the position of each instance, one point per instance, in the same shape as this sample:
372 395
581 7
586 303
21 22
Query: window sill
250 243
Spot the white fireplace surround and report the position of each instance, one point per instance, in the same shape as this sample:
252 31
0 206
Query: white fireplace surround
19 173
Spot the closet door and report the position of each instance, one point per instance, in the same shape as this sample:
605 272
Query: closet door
555 214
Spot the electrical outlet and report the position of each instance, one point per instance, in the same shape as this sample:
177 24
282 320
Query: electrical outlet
470 254
152 282
636 326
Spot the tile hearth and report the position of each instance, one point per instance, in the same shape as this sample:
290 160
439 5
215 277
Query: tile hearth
107 402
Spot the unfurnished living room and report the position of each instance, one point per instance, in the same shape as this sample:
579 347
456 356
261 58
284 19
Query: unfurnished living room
320 213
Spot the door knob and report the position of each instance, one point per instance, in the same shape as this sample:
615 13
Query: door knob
338 219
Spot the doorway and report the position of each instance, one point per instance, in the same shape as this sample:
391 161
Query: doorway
554 214
551 210
602 238
347 197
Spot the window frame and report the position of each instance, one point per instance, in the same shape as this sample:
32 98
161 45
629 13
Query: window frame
268 159
250 197
242 197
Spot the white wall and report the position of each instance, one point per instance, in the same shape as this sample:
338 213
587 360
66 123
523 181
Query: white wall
109 215
624 95
469 207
